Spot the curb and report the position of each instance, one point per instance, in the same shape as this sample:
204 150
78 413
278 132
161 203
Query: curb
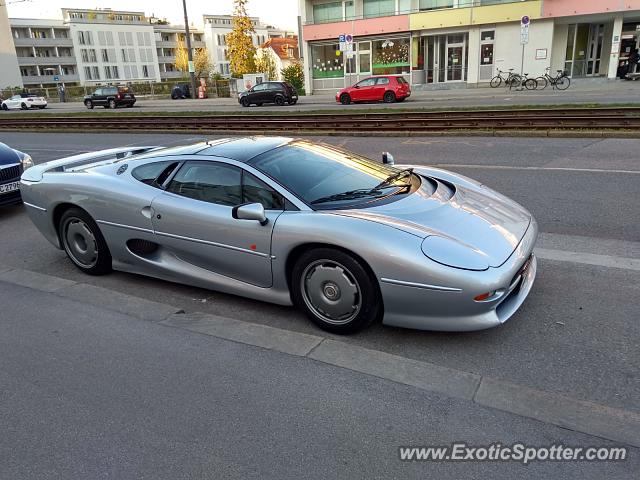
617 425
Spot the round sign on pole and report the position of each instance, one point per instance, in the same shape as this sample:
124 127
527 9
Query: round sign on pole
525 20
349 38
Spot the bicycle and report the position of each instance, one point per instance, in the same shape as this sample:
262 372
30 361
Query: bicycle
561 81
511 79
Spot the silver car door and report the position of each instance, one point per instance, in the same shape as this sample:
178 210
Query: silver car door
193 219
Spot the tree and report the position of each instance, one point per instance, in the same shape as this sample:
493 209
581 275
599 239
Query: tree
295 76
266 64
182 58
240 48
202 63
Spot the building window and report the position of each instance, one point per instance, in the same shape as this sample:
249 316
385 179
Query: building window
378 8
327 12
486 47
364 57
391 56
96 73
435 4
327 61
87 73
105 55
145 71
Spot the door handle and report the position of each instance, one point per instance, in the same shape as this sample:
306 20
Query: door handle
147 212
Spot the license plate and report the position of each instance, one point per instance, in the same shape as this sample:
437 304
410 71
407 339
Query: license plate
9 187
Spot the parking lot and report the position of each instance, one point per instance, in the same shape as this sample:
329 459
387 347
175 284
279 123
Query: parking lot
576 334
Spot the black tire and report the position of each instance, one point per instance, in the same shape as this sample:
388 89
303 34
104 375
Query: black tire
542 82
244 102
353 285
563 83
4 107
279 100
112 104
389 97
88 104
530 84
496 81
23 106
345 99
86 248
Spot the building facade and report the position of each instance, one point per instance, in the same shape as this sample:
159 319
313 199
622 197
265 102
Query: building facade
168 39
216 28
9 72
283 52
447 43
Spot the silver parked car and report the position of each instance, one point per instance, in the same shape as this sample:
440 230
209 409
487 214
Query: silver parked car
291 221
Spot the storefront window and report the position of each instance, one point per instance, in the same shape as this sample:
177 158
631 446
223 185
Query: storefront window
486 54
379 8
327 61
417 53
391 56
327 12
434 4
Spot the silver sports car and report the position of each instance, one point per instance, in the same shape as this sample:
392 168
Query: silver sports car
291 221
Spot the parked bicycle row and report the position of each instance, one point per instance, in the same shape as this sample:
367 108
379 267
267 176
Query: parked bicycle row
511 80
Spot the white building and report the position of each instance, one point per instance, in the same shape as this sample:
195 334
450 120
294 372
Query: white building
9 72
216 27
168 38
45 51
112 46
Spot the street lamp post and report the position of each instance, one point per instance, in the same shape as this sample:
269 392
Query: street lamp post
192 74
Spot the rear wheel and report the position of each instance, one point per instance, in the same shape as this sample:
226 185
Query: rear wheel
4 107
335 291
345 99
112 104
496 81
23 106
389 97
83 242
279 100
530 84
563 83
542 83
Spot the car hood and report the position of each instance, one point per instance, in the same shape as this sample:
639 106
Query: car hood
8 155
455 219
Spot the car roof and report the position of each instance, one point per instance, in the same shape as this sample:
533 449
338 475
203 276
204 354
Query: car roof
242 149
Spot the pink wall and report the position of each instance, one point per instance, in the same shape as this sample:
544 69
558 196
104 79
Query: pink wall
564 8
371 26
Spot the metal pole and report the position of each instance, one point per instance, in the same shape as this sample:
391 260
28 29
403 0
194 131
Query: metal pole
522 64
192 75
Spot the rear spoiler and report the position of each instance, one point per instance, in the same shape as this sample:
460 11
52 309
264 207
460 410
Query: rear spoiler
34 174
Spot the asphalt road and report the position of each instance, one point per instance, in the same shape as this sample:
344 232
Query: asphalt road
577 334
92 394
618 92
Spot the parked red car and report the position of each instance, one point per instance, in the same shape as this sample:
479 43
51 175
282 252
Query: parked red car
387 88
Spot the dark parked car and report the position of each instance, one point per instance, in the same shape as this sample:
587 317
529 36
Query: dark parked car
269 92
12 164
110 97
180 91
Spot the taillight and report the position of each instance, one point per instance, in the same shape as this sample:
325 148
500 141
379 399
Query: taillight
118 96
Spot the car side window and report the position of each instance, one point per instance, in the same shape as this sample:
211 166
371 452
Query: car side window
150 172
15 97
255 190
367 82
98 92
382 81
259 87
211 182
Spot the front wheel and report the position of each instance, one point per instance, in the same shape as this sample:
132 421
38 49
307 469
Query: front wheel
23 106
542 83
563 83
345 99
335 291
496 81
4 107
530 84
244 102
389 97
112 104
83 242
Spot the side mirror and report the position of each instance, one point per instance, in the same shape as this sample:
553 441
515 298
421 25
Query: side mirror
250 211
356 86
387 158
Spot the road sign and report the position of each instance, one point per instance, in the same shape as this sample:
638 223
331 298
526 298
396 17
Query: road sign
524 30
346 43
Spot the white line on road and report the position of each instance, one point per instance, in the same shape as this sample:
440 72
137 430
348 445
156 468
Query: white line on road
588 259
511 167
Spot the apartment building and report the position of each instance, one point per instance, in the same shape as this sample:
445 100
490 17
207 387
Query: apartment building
447 43
45 52
168 39
9 73
112 46
216 28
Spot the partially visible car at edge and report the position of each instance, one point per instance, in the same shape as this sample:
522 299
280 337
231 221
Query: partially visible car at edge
387 88
24 101
13 163
269 92
110 97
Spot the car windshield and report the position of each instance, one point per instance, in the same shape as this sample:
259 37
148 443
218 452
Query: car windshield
327 177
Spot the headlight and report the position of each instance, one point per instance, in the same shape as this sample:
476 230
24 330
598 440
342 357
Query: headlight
27 162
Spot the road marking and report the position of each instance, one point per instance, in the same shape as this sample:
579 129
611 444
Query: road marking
511 167
588 259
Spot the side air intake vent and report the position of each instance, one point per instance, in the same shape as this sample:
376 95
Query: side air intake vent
141 247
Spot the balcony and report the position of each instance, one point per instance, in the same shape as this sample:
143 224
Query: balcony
166 59
175 74
43 42
44 79
66 60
